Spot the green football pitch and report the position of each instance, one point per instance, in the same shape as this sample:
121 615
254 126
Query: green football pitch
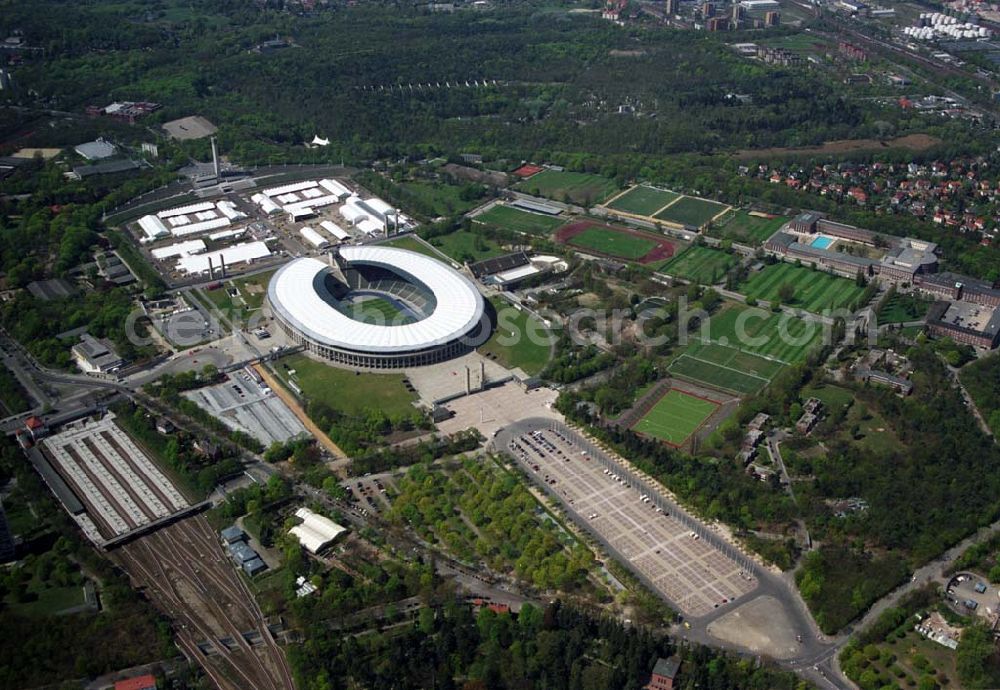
642 200
675 417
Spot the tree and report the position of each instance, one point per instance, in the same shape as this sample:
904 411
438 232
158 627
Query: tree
786 293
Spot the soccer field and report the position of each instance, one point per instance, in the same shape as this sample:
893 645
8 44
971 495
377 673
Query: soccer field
814 290
643 201
675 417
782 337
613 243
379 311
572 187
519 221
746 228
691 211
711 374
699 264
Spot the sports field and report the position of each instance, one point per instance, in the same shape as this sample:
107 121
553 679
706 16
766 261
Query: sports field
700 265
519 221
380 311
675 417
571 187
779 336
691 211
814 290
709 373
643 200
747 228
743 348
621 243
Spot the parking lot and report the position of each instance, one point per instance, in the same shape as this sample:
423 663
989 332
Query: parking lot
662 545
369 494
246 405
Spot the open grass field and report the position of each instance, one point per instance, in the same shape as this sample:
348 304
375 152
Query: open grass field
511 345
643 200
348 391
691 211
700 265
675 417
584 189
782 337
815 291
49 602
413 244
711 374
444 199
519 221
252 290
463 246
902 308
745 228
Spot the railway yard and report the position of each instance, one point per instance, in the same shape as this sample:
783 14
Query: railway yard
218 625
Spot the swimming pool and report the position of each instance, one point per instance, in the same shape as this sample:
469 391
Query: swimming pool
821 242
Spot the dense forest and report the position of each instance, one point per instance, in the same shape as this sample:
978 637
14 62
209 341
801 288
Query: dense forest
560 78
558 648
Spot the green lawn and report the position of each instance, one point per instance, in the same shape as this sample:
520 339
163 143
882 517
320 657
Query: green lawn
815 291
569 187
518 341
378 310
463 246
444 199
675 417
744 228
252 290
699 264
413 244
777 336
50 601
613 243
643 200
519 221
691 211
901 308
348 391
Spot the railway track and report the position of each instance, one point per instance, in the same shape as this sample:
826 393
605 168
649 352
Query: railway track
183 561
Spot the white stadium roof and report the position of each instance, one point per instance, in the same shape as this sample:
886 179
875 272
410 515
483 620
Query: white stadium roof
293 294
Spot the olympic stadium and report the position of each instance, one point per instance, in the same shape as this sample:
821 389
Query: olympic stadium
374 307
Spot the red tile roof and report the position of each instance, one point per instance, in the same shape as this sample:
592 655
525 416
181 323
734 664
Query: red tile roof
147 682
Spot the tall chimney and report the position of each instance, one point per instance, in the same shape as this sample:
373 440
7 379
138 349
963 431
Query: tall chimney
482 375
215 159
468 381
211 269
222 263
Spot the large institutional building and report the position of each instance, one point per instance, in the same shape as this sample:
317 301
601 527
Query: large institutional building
426 311
814 239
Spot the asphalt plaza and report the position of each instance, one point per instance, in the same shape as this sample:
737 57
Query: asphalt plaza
660 545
